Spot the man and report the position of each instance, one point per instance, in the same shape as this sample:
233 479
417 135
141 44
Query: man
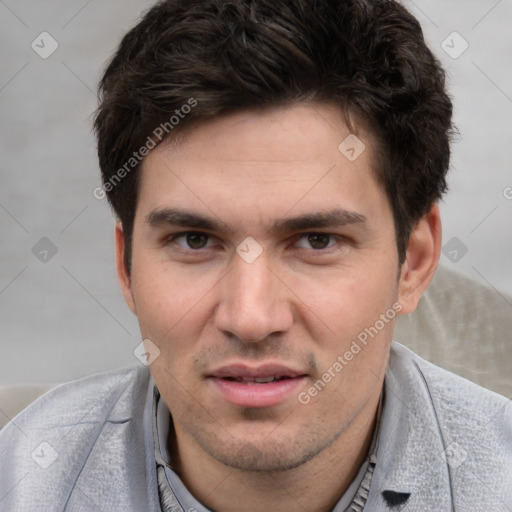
274 168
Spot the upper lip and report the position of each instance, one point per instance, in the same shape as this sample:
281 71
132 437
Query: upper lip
245 371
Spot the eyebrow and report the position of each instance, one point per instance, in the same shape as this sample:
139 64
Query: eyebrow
335 218
167 216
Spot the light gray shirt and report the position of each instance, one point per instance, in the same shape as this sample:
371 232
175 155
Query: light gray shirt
445 444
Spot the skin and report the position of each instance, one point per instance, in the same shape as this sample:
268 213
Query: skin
298 304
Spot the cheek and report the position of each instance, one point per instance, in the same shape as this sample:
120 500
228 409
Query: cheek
170 305
343 316
340 304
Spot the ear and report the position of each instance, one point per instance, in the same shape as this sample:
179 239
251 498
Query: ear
123 275
422 257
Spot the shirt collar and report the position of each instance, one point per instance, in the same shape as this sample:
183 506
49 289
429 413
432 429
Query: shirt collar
411 467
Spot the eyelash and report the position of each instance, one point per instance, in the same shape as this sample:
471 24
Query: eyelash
297 238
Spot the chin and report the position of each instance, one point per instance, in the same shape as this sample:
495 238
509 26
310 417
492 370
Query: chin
266 454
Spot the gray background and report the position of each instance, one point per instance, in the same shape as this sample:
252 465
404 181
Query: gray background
65 317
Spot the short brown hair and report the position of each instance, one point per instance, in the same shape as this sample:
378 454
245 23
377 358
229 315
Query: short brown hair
218 56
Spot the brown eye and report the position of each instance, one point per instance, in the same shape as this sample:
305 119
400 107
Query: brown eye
196 240
319 240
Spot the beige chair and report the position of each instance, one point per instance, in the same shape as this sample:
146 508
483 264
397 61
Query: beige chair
460 325
16 397
465 327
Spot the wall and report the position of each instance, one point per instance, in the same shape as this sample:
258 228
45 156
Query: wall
61 314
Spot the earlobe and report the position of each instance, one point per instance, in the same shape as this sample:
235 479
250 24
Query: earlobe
123 275
422 257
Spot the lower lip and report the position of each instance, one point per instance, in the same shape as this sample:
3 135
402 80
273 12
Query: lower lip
257 395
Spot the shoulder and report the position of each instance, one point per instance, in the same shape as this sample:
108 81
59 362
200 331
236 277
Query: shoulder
473 425
459 403
69 434
89 399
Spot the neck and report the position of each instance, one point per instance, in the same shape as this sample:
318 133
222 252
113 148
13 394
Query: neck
316 485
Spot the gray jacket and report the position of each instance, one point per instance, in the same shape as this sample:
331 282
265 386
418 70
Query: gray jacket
445 444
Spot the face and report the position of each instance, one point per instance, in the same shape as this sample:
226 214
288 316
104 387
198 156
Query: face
262 256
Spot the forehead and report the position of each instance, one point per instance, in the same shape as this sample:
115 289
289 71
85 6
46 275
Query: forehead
253 164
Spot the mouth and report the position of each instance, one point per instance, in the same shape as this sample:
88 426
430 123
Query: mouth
256 387
257 380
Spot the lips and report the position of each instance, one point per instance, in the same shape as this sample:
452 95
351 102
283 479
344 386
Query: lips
262 386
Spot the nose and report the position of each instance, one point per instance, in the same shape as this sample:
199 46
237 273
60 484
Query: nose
254 302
